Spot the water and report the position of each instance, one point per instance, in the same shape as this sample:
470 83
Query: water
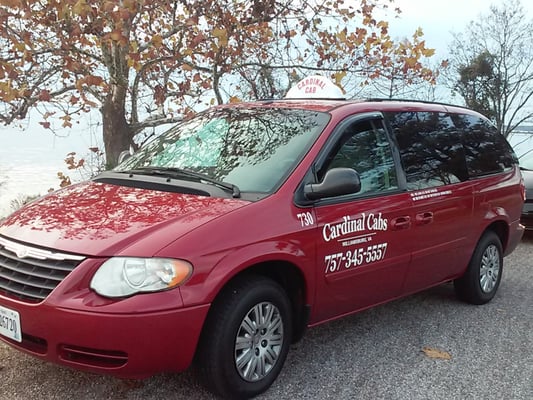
31 159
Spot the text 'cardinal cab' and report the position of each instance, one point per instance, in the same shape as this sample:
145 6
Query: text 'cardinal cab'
224 238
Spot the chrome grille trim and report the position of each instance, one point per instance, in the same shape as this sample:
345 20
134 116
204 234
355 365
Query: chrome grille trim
29 273
23 251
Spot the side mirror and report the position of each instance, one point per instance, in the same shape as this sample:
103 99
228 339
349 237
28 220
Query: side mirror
336 182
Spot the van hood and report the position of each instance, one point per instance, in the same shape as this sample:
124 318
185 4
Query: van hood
101 219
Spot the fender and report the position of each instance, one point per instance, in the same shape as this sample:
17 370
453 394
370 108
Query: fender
496 219
205 288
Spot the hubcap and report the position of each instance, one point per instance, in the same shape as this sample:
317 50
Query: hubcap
490 269
258 342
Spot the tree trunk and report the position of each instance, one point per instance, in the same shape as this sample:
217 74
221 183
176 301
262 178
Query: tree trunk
117 133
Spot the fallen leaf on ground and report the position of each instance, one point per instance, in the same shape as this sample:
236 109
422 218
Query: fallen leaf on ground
436 353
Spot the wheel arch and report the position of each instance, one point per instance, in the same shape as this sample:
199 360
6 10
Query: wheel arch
498 221
501 229
290 278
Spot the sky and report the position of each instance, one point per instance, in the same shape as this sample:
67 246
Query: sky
438 18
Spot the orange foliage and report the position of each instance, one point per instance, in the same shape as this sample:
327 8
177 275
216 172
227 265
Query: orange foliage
134 55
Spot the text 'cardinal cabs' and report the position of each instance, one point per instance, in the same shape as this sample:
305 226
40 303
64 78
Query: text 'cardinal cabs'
218 243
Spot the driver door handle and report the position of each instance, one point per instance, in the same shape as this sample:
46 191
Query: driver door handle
424 218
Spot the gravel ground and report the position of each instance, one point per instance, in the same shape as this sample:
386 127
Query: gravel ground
376 354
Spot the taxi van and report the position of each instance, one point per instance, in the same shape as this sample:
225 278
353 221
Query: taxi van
222 240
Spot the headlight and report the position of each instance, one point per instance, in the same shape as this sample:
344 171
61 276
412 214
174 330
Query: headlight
124 276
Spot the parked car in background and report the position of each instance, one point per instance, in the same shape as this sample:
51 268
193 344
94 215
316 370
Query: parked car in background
522 142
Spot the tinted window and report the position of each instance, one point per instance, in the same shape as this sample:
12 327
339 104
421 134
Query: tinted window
364 147
486 150
430 148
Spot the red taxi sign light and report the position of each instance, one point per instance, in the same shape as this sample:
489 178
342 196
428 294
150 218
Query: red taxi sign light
315 87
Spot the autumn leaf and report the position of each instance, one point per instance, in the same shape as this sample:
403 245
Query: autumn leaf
192 21
196 40
109 6
64 180
339 76
125 14
81 8
222 36
428 52
157 40
418 33
94 80
130 4
116 35
44 95
342 35
20 46
66 121
10 3
382 24
436 353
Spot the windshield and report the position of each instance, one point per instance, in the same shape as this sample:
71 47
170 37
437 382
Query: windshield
254 149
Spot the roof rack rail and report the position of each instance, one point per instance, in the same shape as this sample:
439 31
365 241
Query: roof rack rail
378 99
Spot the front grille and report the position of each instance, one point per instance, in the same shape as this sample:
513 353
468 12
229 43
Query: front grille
31 273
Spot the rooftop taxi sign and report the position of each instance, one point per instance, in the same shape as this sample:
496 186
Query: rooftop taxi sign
315 87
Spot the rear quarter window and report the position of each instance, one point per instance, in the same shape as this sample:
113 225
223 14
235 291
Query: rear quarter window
486 150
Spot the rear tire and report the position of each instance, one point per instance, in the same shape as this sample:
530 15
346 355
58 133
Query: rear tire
246 338
482 278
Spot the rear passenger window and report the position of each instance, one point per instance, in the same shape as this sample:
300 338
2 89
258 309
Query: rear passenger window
430 148
486 150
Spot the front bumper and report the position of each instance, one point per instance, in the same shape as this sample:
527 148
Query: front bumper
65 322
126 344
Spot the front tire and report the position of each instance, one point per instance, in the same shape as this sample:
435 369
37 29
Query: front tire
482 278
246 338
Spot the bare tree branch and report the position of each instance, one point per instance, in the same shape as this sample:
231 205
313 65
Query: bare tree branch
493 62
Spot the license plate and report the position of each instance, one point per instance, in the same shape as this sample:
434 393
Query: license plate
10 324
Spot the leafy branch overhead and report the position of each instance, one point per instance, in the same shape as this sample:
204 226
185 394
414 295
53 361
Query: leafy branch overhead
143 63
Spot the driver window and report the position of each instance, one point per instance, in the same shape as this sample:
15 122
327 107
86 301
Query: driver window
365 148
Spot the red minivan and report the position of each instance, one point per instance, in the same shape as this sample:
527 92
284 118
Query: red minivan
223 239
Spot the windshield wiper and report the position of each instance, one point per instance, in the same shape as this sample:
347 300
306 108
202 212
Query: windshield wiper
179 172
